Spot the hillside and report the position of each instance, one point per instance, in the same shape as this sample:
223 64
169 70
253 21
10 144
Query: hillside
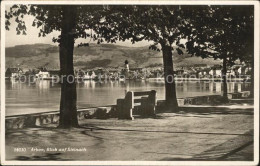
102 55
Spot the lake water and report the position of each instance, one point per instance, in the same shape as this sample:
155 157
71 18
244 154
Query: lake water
44 95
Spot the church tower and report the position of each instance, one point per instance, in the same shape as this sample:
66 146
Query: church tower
126 66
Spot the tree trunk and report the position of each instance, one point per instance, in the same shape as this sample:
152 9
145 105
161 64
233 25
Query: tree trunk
252 80
170 90
224 79
68 102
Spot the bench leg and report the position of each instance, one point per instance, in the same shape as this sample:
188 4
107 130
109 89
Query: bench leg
147 109
119 107
124 112
150 110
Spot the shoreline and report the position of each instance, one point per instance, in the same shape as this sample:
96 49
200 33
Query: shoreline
109 111
177 79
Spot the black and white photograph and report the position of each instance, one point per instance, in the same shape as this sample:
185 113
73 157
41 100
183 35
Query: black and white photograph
129 82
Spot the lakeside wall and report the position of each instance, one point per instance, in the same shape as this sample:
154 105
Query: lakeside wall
41 119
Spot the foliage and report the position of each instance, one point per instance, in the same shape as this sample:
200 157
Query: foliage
222 32
48 18
210 31
160 24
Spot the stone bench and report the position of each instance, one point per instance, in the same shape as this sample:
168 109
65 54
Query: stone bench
145 104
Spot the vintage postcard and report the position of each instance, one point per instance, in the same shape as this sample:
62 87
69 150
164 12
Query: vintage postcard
129 82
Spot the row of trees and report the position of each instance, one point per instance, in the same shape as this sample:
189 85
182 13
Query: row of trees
221 32
224 32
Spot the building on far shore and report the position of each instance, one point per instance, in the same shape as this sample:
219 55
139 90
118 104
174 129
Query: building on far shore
137 69
13 72
204 72
43 74
216 71
54 73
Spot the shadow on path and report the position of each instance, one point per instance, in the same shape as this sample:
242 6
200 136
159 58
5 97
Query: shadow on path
227 151
47 156
158 131
213 110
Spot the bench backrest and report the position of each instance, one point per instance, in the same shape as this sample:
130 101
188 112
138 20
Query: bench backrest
126 105
149 96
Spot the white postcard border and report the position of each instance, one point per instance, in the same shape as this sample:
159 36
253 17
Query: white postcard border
256 84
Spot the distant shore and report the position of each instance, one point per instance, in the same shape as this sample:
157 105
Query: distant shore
177 79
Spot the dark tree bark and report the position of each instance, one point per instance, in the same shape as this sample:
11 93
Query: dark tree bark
252 80
170 90
224 79
68 102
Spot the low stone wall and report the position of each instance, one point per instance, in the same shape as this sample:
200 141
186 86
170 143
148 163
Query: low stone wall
204 100
238 95
211 99
40 119
199 100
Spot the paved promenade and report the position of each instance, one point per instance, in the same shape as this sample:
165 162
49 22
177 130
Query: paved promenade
219 133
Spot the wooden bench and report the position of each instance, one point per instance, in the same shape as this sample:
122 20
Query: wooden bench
144 101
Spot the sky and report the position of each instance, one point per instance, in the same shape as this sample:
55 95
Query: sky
12 39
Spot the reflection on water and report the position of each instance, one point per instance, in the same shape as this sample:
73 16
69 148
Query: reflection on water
44 95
